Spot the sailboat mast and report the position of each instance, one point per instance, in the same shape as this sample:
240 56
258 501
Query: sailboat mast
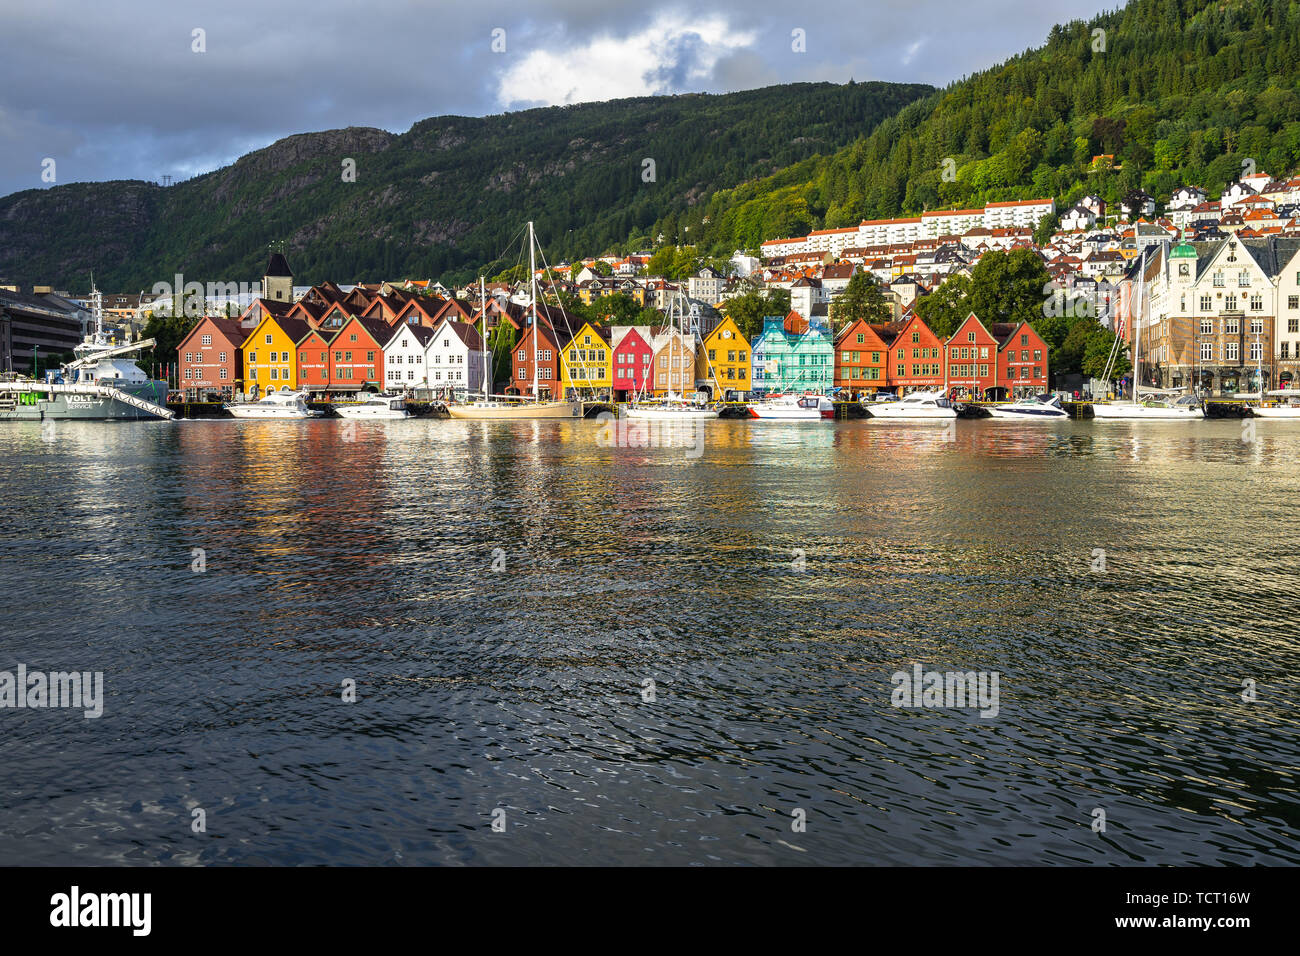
1137 326
532 274
482 299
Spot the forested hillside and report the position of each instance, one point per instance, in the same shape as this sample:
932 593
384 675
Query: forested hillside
440 200
1179 91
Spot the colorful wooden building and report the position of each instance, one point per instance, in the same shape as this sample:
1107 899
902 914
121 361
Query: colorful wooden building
861 354
357 355
633 362
211 359
587 363
723 364
270 355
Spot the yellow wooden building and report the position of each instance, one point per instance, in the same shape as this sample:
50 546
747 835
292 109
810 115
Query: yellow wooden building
270 355
587 363
723 362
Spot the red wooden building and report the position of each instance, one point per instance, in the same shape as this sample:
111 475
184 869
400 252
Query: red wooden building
1022 359
314 360
915 359
357 355
633 364
211 359
971 367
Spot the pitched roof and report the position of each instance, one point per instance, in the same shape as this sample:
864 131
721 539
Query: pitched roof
278 266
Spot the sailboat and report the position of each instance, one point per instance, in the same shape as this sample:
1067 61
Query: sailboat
504 407
1159 403
676 410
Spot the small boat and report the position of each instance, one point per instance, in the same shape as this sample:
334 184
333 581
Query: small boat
669 411
1033 408
381 406
1187 408
794 408
285 404
1288 407
917 406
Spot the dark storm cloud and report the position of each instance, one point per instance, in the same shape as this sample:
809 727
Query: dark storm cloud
116 91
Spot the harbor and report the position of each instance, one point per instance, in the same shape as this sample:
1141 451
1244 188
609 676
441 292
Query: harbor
502 592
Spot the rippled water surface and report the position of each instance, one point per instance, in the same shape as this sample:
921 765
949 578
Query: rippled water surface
768 587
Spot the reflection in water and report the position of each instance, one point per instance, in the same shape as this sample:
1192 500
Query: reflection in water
501 592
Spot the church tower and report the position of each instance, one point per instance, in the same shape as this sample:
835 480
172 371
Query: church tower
277 284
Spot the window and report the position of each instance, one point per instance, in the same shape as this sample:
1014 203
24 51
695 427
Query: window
1285 352
1218 280
1207 351
1207 326
861 338
916 336
221 357
1207 303
1256 302
206 340
1230 352
1231 326
1024 340
1257 326
268 338
1256 351
370 356
1038 355
222 374
275 374
970 336
1243 280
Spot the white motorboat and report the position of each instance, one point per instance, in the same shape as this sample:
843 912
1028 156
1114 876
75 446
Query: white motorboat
1287 407
917 406
794 408
1186 408
381 406
279 405
669 411
1033 408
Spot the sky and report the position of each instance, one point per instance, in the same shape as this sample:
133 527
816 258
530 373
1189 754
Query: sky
142 89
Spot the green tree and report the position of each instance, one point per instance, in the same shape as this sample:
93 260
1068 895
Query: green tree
862 298
947 307
1011 287
501 342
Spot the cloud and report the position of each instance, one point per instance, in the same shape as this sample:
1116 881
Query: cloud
672 54
114 91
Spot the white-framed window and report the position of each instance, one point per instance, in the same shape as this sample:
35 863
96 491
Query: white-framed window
1230 352
206 340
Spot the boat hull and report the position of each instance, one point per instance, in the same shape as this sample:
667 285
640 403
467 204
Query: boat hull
271 414
370 414
65 404
1028 415
1284 413
522 411
912 414
670 414
1145 413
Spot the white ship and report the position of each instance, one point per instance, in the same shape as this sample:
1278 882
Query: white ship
381 406
1037 408
103 383
917 406
277 405
794 408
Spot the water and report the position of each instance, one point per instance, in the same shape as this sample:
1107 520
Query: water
768 587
